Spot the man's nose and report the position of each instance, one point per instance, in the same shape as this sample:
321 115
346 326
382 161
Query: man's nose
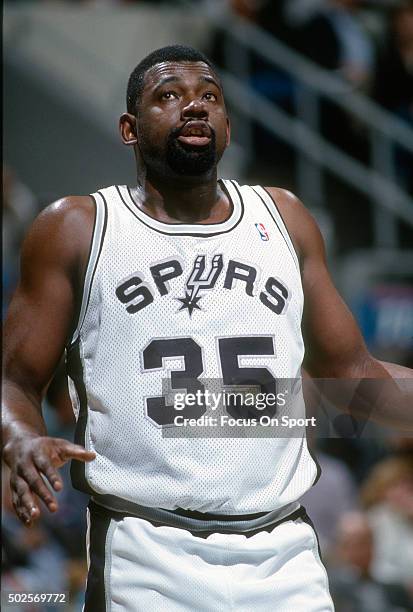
195 108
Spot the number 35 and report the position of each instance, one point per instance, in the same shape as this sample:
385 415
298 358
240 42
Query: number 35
230 349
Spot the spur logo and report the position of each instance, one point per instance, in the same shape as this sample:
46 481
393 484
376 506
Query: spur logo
200 280
136 293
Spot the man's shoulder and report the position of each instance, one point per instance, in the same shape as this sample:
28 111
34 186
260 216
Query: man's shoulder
300 223
287 202
68 214
84 204
70 205
63 229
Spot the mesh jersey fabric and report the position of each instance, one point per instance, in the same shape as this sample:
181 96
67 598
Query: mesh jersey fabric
161 299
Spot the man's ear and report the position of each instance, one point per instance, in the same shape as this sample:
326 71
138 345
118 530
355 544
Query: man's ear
127 128
228 136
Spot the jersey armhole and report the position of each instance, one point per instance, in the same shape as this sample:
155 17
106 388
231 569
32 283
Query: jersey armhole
274 211
98 235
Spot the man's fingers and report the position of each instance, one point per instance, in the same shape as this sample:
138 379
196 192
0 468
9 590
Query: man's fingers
51 474
23 501
68 451
37 485
35 469
23 508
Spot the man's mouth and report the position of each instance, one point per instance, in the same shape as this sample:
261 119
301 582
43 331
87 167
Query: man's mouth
195 134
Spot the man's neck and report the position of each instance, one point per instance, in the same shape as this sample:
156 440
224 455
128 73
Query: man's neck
185 200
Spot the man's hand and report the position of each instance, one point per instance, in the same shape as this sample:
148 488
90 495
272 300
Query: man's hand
31 459
40 321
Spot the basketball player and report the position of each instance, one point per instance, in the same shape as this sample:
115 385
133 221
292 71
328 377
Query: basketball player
181 278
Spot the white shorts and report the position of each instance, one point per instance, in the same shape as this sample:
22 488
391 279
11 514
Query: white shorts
135 566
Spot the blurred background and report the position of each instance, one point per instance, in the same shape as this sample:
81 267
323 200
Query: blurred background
320 94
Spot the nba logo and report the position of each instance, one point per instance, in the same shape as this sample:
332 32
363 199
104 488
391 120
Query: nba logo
262 231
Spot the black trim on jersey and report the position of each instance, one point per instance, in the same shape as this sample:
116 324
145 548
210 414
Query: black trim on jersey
81 292
102 239
318 466
116 515
172 224
293 252
309 522
95 599
195 235
75 371
208 516
234 184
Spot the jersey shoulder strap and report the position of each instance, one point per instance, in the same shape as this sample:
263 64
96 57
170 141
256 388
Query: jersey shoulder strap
98 235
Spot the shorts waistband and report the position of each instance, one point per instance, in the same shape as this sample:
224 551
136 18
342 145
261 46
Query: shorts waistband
199 523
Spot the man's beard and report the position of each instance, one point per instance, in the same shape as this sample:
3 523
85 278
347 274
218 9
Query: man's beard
176 159
192 161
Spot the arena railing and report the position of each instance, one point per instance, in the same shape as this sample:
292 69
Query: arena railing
315 154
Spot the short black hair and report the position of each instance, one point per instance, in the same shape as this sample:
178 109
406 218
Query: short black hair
172 53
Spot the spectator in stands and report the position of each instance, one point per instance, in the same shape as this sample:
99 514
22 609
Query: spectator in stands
335 39
387 494
394 71
265 78
393 83
352 587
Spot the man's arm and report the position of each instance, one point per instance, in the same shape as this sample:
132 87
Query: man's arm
40 318
334 345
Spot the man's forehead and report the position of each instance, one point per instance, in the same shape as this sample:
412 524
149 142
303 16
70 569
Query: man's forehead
183 69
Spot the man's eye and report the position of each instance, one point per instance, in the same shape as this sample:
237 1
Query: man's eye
210 96
168 95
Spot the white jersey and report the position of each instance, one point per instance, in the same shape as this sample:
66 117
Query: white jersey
168 310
